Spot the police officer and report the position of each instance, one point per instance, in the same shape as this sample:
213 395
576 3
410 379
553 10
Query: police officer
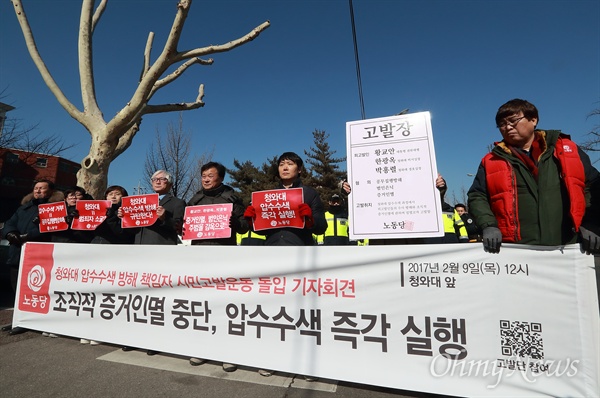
337 232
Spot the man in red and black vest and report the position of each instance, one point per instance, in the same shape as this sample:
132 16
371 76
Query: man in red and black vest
535 187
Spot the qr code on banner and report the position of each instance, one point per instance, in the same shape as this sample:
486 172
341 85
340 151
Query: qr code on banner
522 339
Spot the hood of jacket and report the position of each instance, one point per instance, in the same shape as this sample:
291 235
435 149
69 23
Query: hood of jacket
56 196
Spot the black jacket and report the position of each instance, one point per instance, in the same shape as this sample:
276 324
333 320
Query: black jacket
164 232
110 230
25 221
222 194
297 236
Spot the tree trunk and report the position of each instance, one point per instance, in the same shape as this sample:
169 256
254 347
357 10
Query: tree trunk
93 175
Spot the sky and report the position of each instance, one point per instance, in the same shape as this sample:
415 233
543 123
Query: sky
459 60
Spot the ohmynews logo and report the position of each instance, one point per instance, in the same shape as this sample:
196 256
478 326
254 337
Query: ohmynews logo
494 371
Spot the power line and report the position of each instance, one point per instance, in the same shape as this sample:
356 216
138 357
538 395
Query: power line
357 62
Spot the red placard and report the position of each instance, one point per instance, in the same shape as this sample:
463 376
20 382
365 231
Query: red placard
277 208
36 274
207 221
139 210
91 214
52 217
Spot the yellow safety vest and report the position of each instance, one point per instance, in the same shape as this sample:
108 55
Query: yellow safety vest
453 223
249 234
336 226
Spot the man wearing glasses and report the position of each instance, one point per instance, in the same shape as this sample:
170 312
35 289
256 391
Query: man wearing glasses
535 187
170 214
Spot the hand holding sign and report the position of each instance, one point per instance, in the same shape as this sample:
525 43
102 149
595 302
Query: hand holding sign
139 210
52 217
207 221
88 214
278 209
305 212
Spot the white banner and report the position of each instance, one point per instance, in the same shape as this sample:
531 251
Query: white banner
392 172
446 319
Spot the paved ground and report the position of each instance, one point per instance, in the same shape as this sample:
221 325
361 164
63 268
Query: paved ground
35 366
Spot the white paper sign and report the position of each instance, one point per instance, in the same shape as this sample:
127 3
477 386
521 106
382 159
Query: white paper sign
392 172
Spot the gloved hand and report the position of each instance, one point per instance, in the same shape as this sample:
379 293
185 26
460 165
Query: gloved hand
590 241
305 211
13 238
234 223
71 215
492 239
250 213
36 220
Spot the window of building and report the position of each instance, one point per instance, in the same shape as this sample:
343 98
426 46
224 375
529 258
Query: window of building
12 157
41 162
7 181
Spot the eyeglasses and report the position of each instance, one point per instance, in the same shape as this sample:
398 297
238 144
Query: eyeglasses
503 124
159 179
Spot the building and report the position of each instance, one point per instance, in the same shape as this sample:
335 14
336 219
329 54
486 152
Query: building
19 169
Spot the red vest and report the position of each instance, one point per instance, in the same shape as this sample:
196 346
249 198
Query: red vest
502 188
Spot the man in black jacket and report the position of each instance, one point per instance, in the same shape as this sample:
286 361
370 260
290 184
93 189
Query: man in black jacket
24 226
215 192
290 167
170 214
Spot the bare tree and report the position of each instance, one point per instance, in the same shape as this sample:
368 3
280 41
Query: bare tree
25 138
15 135
113 137
593 143
173 154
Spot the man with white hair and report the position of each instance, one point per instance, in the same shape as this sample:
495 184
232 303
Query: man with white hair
170 214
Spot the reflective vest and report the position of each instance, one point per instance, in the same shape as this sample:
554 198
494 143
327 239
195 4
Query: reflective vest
249 235
336 226
453 224
502 189
337 232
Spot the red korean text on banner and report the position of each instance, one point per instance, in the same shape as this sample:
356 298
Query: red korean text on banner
91 214
36 274
277 208
207 221
52 217
139 210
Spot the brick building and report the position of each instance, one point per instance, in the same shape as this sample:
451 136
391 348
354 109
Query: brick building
19 169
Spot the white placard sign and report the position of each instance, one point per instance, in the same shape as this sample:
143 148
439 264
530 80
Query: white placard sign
392 172
445 319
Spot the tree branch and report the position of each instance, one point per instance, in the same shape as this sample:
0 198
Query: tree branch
178 72
98 13
223 47
140 96
126 139
41 66
86 68
147 52
183 106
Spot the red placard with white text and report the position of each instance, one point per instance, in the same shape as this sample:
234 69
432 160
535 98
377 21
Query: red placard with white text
277 208
52 217
139 210
207 221
91 214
